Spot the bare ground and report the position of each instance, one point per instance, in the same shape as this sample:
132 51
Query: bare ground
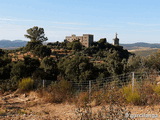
30 107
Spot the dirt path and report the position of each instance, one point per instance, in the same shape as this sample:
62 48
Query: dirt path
30 107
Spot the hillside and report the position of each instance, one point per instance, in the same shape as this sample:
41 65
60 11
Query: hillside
144 51
8 44
140 44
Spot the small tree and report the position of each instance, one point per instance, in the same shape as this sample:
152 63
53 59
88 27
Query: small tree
75 45
36 34
32 45
78 68
1 52
18 71
49 65
42 51
31 65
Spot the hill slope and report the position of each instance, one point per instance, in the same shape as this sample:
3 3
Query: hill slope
140 44
12 44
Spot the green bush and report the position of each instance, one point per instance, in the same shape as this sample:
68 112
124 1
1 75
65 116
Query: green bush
156 89
26 84
8 85
131 96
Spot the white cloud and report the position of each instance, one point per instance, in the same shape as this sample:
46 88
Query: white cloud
70 28
15 20
69 23
142 24
40 21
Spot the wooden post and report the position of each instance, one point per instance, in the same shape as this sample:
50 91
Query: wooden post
90 90
133 81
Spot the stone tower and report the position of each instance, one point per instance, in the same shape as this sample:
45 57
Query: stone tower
86 40
116 40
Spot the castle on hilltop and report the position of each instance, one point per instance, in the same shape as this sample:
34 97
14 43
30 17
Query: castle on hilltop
87 39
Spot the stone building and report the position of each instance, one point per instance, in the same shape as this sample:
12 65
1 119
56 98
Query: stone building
86 40
116 40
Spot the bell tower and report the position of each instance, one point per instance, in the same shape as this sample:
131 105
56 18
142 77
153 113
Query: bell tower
116 40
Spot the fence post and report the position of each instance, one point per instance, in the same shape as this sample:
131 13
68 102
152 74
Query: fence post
43 83
90 90
133 81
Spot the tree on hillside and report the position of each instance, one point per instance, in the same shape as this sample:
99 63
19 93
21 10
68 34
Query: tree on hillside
36 34
18 71
49 66
32 45
153 61
42 51
102 40
77 68
5 72
115 65
4 61
75 45
5 68
1 52
31 65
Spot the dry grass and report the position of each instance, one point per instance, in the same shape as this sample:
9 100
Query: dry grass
57 92
143 94
111 112
82 99
143 51
131 96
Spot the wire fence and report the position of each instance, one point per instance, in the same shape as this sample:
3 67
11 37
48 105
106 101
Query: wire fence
116 81
108 82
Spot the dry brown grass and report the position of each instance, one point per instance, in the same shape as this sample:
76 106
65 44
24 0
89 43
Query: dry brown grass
20 56
82 99
57 92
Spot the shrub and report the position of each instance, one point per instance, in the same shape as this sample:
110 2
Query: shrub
8 85
156 89
114 96
131 96
83 99
148 96
26 84
58 92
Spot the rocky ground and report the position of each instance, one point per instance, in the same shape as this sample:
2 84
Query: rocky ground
14 106
30 107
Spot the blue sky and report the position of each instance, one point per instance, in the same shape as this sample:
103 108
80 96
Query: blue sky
133 20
